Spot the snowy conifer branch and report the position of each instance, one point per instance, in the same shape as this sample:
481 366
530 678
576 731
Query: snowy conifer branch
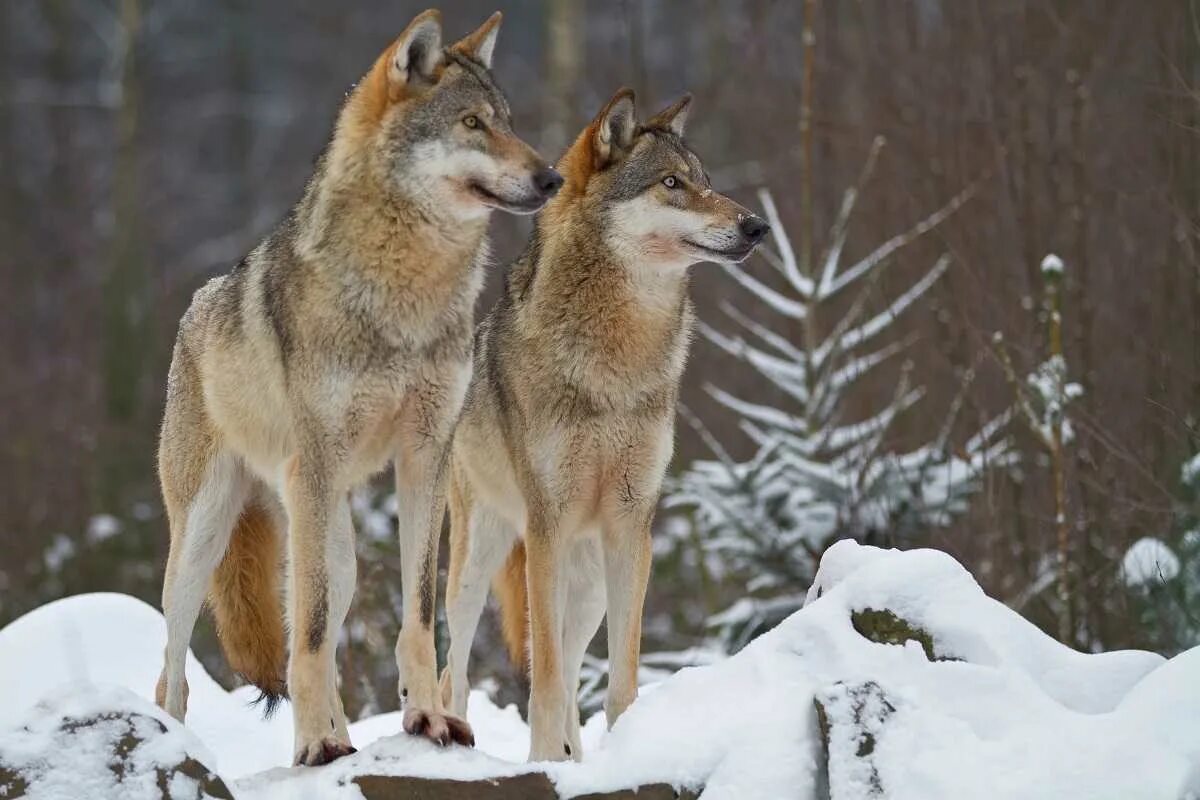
816 475
778 341
777 301
801 283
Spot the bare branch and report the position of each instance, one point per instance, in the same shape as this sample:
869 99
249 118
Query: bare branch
881 253
841 226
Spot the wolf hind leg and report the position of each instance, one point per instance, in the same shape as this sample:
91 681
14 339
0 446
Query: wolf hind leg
201 528
475 557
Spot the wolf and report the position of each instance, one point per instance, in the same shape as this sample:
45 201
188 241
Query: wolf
343 341
568 423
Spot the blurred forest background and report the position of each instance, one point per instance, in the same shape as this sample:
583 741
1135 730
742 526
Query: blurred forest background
146 145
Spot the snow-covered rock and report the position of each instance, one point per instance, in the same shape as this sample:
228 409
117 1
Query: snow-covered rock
113 639
1000 711
90 742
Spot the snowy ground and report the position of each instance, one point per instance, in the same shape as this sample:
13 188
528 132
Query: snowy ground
1015 716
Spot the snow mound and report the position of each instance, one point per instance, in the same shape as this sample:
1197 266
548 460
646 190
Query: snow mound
114 639
100 743
101 640
899 678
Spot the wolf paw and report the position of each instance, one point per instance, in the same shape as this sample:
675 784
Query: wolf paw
323 752
441 728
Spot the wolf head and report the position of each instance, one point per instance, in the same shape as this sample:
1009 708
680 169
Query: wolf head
437 129
648 192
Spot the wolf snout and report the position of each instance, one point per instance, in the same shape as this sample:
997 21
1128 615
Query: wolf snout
754 228
547 181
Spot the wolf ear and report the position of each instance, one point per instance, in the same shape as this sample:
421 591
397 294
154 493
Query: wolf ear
482 43
673 118
418 51
613 128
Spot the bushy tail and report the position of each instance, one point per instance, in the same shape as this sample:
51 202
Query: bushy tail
513 596
245 597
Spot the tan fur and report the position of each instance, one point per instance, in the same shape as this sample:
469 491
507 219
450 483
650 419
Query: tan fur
568 425
340 344
246 601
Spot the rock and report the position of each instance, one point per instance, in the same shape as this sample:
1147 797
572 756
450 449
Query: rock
110 755
653 791
851 718
885 627
12 783
531 786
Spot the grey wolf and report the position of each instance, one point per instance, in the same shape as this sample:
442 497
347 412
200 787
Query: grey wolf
568 425
340 343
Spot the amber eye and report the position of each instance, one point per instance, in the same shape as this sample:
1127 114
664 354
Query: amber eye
670 181
471 121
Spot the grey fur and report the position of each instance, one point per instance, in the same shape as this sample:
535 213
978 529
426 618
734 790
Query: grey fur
568 424
341 343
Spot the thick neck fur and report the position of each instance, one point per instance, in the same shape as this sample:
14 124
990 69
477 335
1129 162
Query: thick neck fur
361 232
607 326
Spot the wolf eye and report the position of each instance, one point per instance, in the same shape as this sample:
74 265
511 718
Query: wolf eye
670 181
471 121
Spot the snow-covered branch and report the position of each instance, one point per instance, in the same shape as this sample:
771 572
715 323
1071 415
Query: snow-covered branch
816 475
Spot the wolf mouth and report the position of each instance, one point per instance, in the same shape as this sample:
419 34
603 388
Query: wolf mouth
523 206
733 254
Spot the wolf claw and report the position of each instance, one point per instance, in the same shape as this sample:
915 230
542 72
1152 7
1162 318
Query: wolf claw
441 728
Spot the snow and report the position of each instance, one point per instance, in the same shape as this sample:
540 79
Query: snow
1190 472
107 639
1052 393
102 527
1149 561
70 764
1052 265
1017 715
61 549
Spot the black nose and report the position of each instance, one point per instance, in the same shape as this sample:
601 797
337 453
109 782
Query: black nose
547 180
754 228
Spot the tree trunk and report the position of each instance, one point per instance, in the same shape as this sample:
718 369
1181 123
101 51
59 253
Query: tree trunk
564 57
125 285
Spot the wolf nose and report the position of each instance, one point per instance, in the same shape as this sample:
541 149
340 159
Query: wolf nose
547 180
754 228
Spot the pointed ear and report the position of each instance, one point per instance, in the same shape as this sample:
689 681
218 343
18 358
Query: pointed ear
673 118
482 43
613 128
418 51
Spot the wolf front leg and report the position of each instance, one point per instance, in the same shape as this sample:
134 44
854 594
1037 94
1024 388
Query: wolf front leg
584 611
421 495
343 577
321 554
547 696
626 574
